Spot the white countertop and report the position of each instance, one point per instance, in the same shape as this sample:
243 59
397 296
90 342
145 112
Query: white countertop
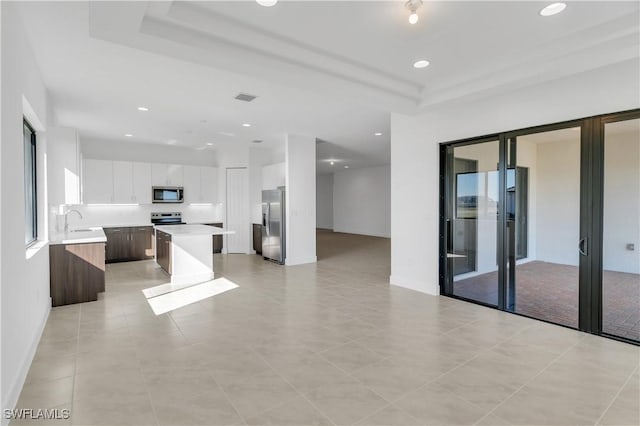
80 236
127 225
184 230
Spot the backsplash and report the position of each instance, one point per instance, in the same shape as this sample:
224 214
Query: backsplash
107 215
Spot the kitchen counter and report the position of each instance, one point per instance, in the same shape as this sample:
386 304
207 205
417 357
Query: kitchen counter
79 236
184 251
186 230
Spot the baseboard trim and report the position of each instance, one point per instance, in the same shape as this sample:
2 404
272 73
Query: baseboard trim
300 260
412 284
11 398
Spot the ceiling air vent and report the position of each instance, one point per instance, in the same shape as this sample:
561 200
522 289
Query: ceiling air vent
257 141
245 97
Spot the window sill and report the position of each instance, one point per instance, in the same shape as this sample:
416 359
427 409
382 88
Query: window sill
34 248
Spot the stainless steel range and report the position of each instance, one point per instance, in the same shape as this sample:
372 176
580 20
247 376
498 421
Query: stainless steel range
162 218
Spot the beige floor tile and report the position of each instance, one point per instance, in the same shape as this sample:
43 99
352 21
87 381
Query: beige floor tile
309 372
321 344
475 386
350 356
432 405
292 413
345 403
51 368
625 409
207 408
49 394
390 415
259 393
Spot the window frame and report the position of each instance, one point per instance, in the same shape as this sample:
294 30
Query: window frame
34 182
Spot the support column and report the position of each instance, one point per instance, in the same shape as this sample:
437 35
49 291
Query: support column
300 211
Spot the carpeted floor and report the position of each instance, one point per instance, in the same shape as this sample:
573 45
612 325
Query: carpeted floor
549 291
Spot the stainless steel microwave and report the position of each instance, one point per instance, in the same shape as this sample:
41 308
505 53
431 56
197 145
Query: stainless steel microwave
168 194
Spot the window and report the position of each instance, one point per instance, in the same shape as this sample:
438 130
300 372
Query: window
30 194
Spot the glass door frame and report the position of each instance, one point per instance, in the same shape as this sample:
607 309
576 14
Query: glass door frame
591 214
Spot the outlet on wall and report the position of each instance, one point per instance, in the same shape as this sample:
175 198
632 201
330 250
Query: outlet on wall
631 247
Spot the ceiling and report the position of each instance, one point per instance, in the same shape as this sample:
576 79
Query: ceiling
330 69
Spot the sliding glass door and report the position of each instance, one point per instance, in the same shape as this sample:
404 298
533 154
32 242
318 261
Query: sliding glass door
621 229
545 222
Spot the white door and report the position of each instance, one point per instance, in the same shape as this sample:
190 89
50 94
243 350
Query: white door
237 210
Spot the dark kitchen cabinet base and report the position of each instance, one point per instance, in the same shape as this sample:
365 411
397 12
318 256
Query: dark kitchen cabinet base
217 239
129 243
257 238
76 273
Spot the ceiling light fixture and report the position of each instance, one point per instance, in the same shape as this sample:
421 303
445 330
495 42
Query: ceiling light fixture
267 3
128 135
377 134
246 125
331 162
553 9
346 167
141 108
423 63
413 6
209 143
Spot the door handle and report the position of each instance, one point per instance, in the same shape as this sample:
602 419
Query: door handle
583 246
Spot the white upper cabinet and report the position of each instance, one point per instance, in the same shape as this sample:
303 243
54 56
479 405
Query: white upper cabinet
209 184
142 183
167 174
122 182
200 184
192 186
97 181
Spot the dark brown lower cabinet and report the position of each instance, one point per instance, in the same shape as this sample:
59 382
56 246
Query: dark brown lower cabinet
76 272
257 238
129 243
217 239
163 251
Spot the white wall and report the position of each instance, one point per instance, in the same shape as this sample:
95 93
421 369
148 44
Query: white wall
300 211
621 201
362 201
273 176
146 153
25 282
558 202
415 153
324 201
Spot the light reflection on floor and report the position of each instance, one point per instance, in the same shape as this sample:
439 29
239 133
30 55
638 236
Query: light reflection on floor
181 296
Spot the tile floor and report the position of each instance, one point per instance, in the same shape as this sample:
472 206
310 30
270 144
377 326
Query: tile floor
330 343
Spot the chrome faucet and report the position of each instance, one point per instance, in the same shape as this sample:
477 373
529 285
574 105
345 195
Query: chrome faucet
66 224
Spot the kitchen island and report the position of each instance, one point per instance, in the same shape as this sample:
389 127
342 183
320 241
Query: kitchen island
185 252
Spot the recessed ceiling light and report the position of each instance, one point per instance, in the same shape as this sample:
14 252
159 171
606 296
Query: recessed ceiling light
331 162
346 167
141 108
172 141
422 63
209 143
226 133
267 3
553 9
128 135
377 134
246 125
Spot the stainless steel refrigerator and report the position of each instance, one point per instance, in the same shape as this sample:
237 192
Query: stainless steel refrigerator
273 225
